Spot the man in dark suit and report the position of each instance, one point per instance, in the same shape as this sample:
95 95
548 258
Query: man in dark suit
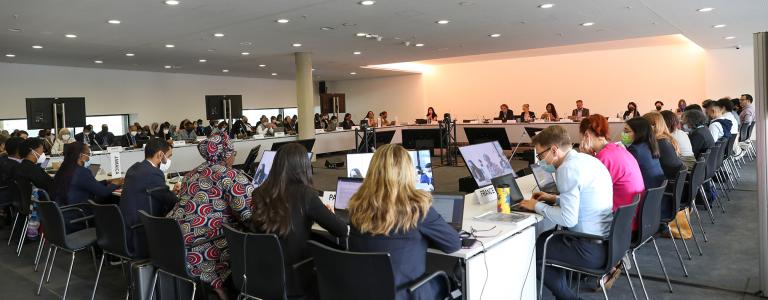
105 138
87 136
28 172
199 128
144 188
8 164
505 113
129 139
580 112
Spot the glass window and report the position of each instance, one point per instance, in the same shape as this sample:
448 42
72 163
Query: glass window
14 124
255 114
117 124
290 111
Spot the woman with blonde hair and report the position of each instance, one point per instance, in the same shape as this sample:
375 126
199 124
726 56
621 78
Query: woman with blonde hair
64 137
388 214
669 154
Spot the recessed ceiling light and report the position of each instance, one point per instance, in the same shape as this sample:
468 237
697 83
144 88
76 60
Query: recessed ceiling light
419 45
719 26
172 2
586 24
129 54
274 74
546 5
357 53
327 28
705 9
225 71
296 45
169 46
10 55
443 22
202 60
167 67
262 66
494 35
14 29
361 34
70 35
114 22
729 37
282 21
352 73
218 34
367 2
98 62
37 47
245 53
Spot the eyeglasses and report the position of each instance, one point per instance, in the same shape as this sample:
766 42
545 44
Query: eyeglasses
538 156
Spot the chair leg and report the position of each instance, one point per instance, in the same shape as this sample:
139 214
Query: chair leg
23 236
706 204
93 256
698 217
693 234
637 268
152 287
578 284
685 244
13 228
45 268
663 268
53 258
194 289
69 274
98 274
602 287
674 243
39 250
631 285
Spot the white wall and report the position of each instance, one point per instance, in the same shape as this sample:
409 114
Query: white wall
400 96
730 72
149 96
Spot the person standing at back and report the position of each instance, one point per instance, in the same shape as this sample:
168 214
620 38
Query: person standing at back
388 214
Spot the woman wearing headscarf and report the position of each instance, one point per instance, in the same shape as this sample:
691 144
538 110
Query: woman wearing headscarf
211 195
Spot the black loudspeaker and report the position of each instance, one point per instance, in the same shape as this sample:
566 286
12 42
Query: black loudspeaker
323 88
467 184
334 163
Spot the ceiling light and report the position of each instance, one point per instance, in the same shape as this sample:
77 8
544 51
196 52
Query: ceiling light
172 2
98 62
357 53
169 46
729 37
203 60
37 47
352 73
419 45
262 66
361 34
443 22
494 35
167 67
218 34
130 54
70 35
367 2
14 29
10 55
114 22
546 5
587 24
705 9
719 26
274 74
282 21
327 28
296 45
245 53
225 71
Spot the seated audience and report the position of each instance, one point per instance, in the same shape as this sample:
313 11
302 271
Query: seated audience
290 126
584 205
318 121
631 111
187 133
720 125
695 123
287 205
371 118
640 141
431 115
505 113
669 150
165 132
527 115
63 138
265 127
659 105
129 139
388 214
333 123
580 112
29 172
242 127
87 136
683 141
47 138
729 114
681 105
551 114
104 138
347 123
199 128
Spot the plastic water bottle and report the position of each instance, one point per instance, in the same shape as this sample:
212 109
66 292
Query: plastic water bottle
34 223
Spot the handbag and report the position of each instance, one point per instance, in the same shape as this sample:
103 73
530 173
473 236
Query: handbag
685 228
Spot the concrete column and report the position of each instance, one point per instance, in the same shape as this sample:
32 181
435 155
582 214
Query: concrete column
761 110
304 98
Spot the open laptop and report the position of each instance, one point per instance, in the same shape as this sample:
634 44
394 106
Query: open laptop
94 168
450 206
515 195
544 180
345 188
265 165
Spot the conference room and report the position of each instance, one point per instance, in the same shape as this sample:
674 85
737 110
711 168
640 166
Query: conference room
189 149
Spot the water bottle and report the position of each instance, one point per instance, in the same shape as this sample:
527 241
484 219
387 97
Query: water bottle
34 223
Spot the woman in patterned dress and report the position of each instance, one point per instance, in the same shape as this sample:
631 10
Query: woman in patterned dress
211 195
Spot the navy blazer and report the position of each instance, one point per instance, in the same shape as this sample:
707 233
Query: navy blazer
650 168
140 178
408 251
84 186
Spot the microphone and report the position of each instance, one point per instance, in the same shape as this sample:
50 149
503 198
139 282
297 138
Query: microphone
517 146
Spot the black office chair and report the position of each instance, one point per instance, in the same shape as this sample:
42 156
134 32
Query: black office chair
710 174
618 240
729 164
256 261
340 277
248 165
23 209
647 229
53 221
695 186
111 237
678 188
167 251
43 196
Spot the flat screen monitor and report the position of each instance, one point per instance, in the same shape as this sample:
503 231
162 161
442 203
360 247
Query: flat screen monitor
478 135
357 166
308 143
485 161
265 165
41 112
419 139
215 107
345 188
450 207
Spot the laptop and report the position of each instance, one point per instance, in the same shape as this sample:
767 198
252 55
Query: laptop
345 188
515 195
94 168
544 180
450 206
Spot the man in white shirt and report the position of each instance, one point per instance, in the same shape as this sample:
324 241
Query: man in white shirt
719 126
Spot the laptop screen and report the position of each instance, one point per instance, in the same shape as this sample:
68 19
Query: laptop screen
543 178
345 188
450 207
515 195
265 165
486 161
94 168
357 167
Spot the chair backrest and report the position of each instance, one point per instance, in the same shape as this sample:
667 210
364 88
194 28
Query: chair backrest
678 189
698 175
24 196
53 222
343 275
749 131
257 264
728 151
620 236
110 229
166 244
650 212
712 159
250 159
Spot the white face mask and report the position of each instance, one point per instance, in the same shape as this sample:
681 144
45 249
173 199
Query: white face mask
165 131
40 157
65 137
133 133
164 166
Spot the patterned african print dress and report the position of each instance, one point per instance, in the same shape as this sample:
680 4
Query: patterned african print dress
210 196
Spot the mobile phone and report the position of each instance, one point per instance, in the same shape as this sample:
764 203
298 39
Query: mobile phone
468 243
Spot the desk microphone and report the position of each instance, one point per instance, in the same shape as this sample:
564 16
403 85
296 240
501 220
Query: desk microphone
517 146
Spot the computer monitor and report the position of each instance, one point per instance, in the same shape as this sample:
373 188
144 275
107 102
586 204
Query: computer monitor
450 207
427 138
358 163
265 165
479 135
308 143
345 188
544 179
485 161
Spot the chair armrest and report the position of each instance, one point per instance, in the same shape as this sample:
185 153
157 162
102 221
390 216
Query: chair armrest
303 263
669 194
78 220
200 242
137 226
439 275
80 210
580 235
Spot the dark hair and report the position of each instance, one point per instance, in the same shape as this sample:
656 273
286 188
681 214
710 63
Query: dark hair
595 123
707 103
63 178
12 145
644 134
725 103
28 145
694 118
633 104
553 112
20 132
552 135
748 96
271 205
657 102
671 120
155 145
433 115
693 107
736 103
88 127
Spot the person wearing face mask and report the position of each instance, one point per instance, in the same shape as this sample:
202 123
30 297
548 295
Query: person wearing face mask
681 105
29 172
87 136
265 127
659 105
187 133
104 137
584 205
165 133
146 180
129 140
63 138
695 124
199 128
631 111
227 192
639 139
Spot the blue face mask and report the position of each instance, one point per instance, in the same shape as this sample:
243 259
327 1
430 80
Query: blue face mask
546 166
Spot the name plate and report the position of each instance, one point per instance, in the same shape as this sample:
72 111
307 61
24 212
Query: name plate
179 143
485 195
319 130
200 138
497 121
258 136
339 128
329 198
355 127
279 134
115 149
117 167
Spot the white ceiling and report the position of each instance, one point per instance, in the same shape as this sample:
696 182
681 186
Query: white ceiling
249 26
